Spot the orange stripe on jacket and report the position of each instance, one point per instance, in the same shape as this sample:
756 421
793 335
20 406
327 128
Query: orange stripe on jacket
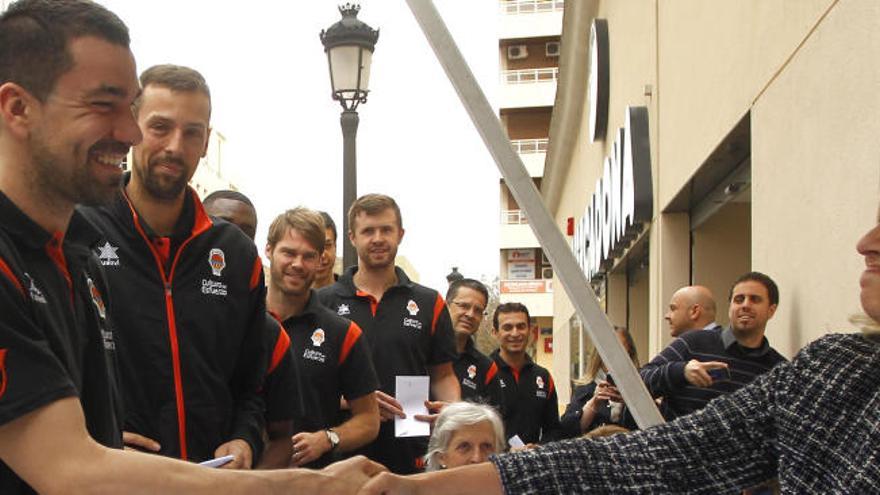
351 338
257 273
439 304
4 268
282 344
493 370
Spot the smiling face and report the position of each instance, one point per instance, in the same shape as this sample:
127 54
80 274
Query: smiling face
750 308
869 247
512 333
470 444
176 129
376 238
466 310
84 129
293 262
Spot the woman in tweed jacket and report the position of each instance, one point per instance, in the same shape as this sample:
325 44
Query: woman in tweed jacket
814 423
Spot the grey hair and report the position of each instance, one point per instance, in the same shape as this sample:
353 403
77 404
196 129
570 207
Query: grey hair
455 416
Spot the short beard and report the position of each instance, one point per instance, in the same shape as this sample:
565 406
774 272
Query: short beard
77 187
154 187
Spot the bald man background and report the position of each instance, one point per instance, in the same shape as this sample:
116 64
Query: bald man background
691 308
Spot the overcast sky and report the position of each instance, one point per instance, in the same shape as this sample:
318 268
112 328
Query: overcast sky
271 95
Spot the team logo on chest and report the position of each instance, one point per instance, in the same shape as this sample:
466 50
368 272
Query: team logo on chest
343 310
412 307
217 260
97 300
468 381
540 392
107 254
311 354
318 337
472 371
34 291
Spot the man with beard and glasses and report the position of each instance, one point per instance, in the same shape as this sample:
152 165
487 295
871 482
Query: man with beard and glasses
699 366
331 357
67 83
406 324
189 291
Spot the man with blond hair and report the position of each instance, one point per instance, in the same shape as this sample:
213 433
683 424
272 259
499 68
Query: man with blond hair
331 357
407 325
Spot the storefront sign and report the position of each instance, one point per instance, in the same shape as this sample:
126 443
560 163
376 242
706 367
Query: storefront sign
521 270
526 286
622 200
598 82
521 255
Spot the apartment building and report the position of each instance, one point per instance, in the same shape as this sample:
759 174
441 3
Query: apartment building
528 49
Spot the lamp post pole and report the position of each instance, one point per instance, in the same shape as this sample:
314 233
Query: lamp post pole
349 45
349 121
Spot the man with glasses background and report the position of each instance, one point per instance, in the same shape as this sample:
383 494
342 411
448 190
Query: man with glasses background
466 300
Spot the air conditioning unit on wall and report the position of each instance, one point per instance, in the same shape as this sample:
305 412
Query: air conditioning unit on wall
546 273
551 48
517 52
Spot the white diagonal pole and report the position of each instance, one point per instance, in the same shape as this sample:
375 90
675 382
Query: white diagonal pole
573 280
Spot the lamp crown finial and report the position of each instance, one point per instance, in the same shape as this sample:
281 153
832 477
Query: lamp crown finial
349 9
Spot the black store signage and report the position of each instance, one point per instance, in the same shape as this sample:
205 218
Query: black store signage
622 201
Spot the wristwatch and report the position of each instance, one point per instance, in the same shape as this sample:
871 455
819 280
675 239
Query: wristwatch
333 437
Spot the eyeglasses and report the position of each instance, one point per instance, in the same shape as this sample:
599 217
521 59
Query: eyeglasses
467 307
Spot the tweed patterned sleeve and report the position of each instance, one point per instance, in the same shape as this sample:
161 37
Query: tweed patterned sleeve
727 446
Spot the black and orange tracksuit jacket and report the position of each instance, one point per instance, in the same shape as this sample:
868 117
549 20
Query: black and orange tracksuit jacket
526 399
190 313
56 338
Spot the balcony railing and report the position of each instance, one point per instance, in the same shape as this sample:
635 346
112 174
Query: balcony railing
514 7
513 217
530 76
526 146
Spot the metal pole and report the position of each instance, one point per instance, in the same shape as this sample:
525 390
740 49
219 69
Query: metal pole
643 408
349 121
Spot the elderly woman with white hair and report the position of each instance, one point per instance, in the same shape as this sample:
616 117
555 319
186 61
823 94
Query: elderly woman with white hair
464 433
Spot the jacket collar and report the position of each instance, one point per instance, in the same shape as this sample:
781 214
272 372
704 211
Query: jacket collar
345 285
29 233
192 222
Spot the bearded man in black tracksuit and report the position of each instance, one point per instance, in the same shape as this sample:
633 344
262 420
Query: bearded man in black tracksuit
188 290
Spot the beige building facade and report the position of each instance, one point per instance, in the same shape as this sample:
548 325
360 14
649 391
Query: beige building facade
756 123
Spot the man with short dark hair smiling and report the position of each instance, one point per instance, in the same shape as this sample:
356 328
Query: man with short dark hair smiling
699 366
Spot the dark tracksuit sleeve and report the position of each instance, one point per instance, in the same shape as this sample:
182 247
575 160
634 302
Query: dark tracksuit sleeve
665 373
726 446
442 336
31 376
280 388
358 376
248 421
551 430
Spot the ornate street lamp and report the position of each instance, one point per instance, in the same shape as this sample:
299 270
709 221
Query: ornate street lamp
349 45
